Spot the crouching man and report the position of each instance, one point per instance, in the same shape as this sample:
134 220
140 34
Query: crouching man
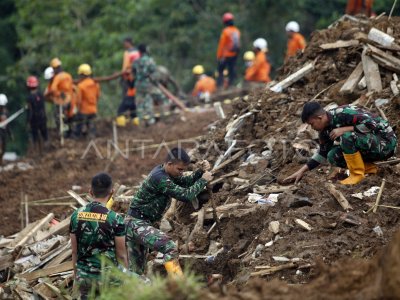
350 137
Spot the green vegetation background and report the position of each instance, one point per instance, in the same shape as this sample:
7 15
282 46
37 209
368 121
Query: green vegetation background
180 34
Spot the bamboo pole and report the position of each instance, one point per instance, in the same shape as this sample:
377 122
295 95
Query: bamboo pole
26 210
378 198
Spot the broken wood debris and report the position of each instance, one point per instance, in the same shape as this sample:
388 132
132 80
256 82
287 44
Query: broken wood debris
338 196
340 44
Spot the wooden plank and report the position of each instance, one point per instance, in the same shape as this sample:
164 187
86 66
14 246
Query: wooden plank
228 161
34 230
43 291
385 59
20 235
371 73
303 224
338 196
351 82
340 44
67 266
394 88
78 198
288 81
59 259
59 228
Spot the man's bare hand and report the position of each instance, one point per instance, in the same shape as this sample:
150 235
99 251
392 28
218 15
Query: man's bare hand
204 165
207 176
296 176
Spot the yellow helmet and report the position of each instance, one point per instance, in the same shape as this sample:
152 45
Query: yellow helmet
198 70
55 62
249 55
85 69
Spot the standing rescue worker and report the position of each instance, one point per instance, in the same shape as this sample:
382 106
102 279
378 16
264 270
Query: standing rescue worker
89 93
228 50
205 85
131 54
149 204
355 7
96 232
144 70
61 91
362 139
296 41
260 68
36 114
4 131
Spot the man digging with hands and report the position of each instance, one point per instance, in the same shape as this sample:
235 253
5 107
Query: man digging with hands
148 205
350 137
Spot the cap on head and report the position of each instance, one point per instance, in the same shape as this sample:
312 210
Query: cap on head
85 69
177 154
55 63
32 82
249 56
198 70
101 185
3 100
227 17
48 73
310 109
261 44
292 26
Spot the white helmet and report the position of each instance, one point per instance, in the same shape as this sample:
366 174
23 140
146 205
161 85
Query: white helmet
48 73
261 44
293 26
3 100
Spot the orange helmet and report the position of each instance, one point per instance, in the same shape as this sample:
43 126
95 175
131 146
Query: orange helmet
227 17
32 82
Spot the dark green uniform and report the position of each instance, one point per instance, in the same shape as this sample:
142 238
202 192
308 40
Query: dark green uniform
372 137
146 92
148 206
95 227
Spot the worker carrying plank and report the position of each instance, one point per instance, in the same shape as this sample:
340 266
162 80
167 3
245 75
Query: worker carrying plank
296 41
96 232
149 203
361 138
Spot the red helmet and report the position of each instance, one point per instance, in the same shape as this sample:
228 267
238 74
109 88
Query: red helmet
227 17
32 82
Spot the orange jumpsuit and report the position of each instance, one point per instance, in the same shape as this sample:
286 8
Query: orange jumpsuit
61 91
89 93
295 43
203 85
259 70
229 42
355 7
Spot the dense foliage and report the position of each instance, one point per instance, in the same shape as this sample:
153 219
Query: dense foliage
180 34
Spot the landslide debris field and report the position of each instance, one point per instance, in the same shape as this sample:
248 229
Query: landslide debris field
266 232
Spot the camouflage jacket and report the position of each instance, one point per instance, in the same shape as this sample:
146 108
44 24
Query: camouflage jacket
363 121
144 68
95 228
153 196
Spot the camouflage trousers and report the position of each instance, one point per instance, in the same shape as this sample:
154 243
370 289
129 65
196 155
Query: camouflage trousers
373 147
146 97
141 237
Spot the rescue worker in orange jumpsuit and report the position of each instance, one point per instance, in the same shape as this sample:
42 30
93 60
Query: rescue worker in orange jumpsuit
128 103
296 41
204 86
61 91
355 7
228 50
260 68
89 93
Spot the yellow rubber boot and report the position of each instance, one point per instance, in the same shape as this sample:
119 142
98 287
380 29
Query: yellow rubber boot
356 166
135 121
121 121
173 268
370 168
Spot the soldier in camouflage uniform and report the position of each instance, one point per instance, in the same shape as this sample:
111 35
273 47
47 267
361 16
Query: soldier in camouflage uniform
147 93
149 203
349 137
96 232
